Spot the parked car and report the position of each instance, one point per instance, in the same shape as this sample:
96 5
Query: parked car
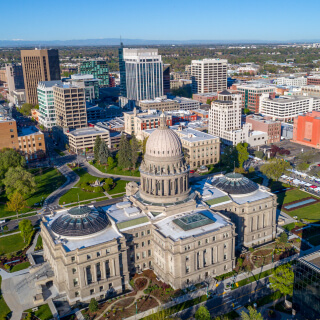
192 171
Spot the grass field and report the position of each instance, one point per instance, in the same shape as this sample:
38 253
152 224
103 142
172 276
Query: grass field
4 309
11 243
117 171
311 212
43 313
119 187
46 182
20 266
72 195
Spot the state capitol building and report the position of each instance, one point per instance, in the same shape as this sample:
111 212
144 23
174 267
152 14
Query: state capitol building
186 234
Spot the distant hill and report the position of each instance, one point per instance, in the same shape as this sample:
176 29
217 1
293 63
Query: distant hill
130 42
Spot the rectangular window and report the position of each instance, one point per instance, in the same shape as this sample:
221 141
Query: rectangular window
75 282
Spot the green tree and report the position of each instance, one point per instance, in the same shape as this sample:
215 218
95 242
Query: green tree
229 157
111 163
26 109
26 229
16 203
275 168
93 305
96 148
104 152
108 184
20 180
303 166
282 280
283 238
10 158
246 111
243 154
134 150
208 101
259 154
124 160
252 315
202 313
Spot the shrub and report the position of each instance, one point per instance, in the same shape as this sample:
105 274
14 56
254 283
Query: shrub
251 249
251 170
7 267
289 226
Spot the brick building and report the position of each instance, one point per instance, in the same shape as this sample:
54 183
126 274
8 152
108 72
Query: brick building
272 128
306 129
204 97
313 80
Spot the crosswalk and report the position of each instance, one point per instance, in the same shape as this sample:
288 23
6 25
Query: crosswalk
228 299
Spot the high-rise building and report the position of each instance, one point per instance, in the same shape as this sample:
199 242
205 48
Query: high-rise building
166 79
88 82
14 77
251 94
47 116
70 106
209 75
141 74
98 69
39 65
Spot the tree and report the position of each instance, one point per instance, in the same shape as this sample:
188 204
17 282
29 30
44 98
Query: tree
243 154
16 202
208 101
282 280
108 184
134 151
229 157
202 313
93 305
26 228
111 163
259 154
96 148
275 168
283 238
26 109
253 314
104 152
246 111
144 143
303 166
124 160
10 158
20 180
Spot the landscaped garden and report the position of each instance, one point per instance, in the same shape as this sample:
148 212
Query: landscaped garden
115 170
47 180
43 312
85 189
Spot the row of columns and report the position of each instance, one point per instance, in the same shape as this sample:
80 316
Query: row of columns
165 187
260 221
106 269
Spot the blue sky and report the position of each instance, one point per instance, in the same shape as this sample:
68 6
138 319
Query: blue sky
161 20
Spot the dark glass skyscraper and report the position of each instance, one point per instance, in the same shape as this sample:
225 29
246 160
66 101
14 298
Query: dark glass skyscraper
122 69
306 290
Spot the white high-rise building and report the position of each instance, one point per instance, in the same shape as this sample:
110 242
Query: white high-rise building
209 75
143 72
47 116
225 122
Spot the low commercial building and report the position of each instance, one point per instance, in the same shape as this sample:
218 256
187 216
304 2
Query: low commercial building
292 81
313 80
158 104
287 108
311 90
272 128
29 141
306 129
180 83
204 97
286 130
187 104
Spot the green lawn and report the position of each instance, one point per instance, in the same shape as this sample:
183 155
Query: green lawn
119 187
72 194
39 244
11 243
43 313
20 266
117 171
4 309
254 278
47 181
311 212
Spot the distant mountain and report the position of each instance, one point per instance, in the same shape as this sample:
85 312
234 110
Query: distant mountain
131 42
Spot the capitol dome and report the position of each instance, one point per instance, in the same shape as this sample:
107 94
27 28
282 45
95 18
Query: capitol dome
235 184
80 221
163 142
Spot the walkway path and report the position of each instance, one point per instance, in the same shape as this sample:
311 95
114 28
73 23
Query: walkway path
9 234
